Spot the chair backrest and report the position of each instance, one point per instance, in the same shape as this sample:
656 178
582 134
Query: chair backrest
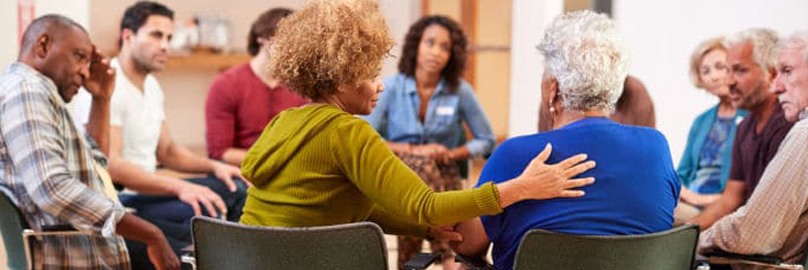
673 249
11 225
227 245
804 261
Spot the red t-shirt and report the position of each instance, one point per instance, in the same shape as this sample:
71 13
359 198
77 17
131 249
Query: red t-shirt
238 107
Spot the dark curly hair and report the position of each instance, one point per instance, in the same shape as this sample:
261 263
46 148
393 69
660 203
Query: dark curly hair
136 15
457 60
265 27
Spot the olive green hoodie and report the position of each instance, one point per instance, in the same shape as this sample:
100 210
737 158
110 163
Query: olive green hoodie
318 165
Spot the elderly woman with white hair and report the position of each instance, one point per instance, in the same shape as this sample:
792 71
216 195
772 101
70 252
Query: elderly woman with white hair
637 187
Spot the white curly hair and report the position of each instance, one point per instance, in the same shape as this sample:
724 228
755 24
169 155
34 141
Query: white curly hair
764 45
583 51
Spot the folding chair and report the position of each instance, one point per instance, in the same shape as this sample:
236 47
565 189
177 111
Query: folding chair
673 249
222 244
17 233
771 262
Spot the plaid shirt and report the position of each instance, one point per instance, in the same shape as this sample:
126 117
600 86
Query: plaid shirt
49 168
773 222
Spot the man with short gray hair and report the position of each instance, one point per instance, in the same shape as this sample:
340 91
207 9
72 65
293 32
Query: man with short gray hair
773 222
751 55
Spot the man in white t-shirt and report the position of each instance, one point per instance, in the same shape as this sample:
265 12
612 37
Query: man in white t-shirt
139 136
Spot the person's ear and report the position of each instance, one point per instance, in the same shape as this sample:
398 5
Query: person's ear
553 87
772 74
42 46
126 36
262 41
343 88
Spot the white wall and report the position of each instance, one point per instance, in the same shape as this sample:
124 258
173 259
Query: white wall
400 15
8 30
78 10
528 22
662 34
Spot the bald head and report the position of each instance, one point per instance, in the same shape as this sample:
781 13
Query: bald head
51 25
60 49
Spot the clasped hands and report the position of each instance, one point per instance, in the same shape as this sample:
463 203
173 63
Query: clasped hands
434 151
445 233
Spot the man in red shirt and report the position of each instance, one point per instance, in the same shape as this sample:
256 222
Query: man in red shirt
243 100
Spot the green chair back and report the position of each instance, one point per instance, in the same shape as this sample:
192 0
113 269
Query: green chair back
804 262
227 245
673 249
11 225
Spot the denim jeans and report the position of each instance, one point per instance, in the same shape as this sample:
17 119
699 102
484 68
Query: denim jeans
173 216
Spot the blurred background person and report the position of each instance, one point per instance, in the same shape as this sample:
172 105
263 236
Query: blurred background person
773 221
245 98
422 111
705 163
634 107
751 57
140 139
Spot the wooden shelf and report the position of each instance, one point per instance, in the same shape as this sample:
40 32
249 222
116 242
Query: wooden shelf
207 60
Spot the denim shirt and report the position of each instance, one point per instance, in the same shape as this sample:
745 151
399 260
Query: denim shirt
396 116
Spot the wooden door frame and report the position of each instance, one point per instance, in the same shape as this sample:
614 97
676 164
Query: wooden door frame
468 21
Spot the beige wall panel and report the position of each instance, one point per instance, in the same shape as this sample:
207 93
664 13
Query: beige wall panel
493 23
492 62
493 88
571 5
185 92
449 8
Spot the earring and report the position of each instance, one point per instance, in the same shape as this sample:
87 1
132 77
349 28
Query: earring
552 107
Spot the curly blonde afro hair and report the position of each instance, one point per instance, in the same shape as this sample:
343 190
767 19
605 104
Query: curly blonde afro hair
329 44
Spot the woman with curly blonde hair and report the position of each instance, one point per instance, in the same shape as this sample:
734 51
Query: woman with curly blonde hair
321 165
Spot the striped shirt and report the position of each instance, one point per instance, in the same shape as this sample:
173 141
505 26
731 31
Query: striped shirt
49 167
773 221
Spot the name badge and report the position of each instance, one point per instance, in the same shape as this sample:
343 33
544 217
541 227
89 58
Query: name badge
445 111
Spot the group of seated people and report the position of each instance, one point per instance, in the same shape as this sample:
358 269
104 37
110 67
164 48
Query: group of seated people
307 134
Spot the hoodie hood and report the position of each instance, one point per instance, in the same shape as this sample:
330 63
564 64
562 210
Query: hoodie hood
282 138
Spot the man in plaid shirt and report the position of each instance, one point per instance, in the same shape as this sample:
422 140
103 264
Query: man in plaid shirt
50 169
773 222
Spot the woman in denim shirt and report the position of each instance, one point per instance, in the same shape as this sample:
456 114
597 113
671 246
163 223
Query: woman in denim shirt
422 110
